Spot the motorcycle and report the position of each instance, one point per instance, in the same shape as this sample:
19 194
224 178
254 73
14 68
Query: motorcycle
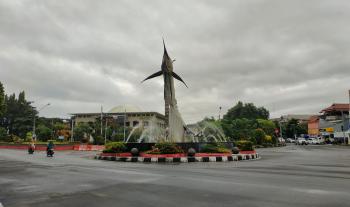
50 152
30 150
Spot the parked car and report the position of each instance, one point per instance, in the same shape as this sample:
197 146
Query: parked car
290 140
313 141
301 141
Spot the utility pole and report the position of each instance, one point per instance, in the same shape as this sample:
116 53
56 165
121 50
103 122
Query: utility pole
71 136
34 135
105 131
124 123
220 112
343 126
280 125
101 119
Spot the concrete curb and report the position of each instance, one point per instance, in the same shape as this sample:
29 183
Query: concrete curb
234 157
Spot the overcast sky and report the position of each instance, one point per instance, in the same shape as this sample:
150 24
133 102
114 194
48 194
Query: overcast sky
292 57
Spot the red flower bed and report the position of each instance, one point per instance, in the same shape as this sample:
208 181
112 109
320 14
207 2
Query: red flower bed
163 155
212 154
247 152
127 154
124 154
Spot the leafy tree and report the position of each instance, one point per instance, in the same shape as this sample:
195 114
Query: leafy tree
241 121
293 127
267 125
247 110
238 128
18 117
259 135
58 126
2 100
82 130
3 134
43 133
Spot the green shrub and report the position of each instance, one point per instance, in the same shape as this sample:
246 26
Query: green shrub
214 148
259 135
3 134
99 140
16 139
165 148
115 147
244 145
29 137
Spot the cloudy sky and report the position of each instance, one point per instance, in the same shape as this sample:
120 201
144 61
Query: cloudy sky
289 56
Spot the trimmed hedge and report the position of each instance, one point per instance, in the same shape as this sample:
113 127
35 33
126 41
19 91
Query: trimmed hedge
215 148
115 147
165 148
244 145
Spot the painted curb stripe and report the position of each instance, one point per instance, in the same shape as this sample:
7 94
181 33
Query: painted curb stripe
181 159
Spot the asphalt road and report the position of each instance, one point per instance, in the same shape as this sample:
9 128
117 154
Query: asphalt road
287 176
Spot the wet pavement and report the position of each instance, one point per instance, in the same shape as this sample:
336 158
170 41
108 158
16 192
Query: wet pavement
287 176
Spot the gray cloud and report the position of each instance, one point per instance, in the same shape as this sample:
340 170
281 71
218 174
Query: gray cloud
289 56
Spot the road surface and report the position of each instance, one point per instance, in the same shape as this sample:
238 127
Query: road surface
287 176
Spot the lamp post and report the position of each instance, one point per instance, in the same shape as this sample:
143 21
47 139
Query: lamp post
280 125
46 105
124 123
72 133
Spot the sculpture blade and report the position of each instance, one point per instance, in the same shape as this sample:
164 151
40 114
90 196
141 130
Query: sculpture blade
178 78
154 75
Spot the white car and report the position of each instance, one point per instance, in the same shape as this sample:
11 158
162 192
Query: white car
290 140
313 141
301 141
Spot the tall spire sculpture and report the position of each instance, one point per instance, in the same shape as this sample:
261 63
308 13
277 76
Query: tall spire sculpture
173 119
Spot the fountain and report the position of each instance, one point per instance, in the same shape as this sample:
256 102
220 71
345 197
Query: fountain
176 142
176 131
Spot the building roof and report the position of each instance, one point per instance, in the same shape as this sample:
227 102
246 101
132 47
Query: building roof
297 116
314 119
149 113
125 108
336 107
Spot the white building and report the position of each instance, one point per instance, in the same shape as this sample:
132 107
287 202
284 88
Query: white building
124 114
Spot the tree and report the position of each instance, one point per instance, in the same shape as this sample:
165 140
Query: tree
3 134
294 128
18 116
259 136
43 133
238 128
2 100
267 125
247 110
81 131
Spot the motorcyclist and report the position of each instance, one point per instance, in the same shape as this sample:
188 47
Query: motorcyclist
31 147
49 149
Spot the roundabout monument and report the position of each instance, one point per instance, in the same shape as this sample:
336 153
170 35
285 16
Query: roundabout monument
174 122
177 142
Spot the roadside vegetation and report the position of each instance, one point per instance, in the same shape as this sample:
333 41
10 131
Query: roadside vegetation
243 122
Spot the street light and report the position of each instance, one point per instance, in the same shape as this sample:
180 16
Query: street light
46 105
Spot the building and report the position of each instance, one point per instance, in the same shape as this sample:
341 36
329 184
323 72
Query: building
127 115
313 126
302 118
334 122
